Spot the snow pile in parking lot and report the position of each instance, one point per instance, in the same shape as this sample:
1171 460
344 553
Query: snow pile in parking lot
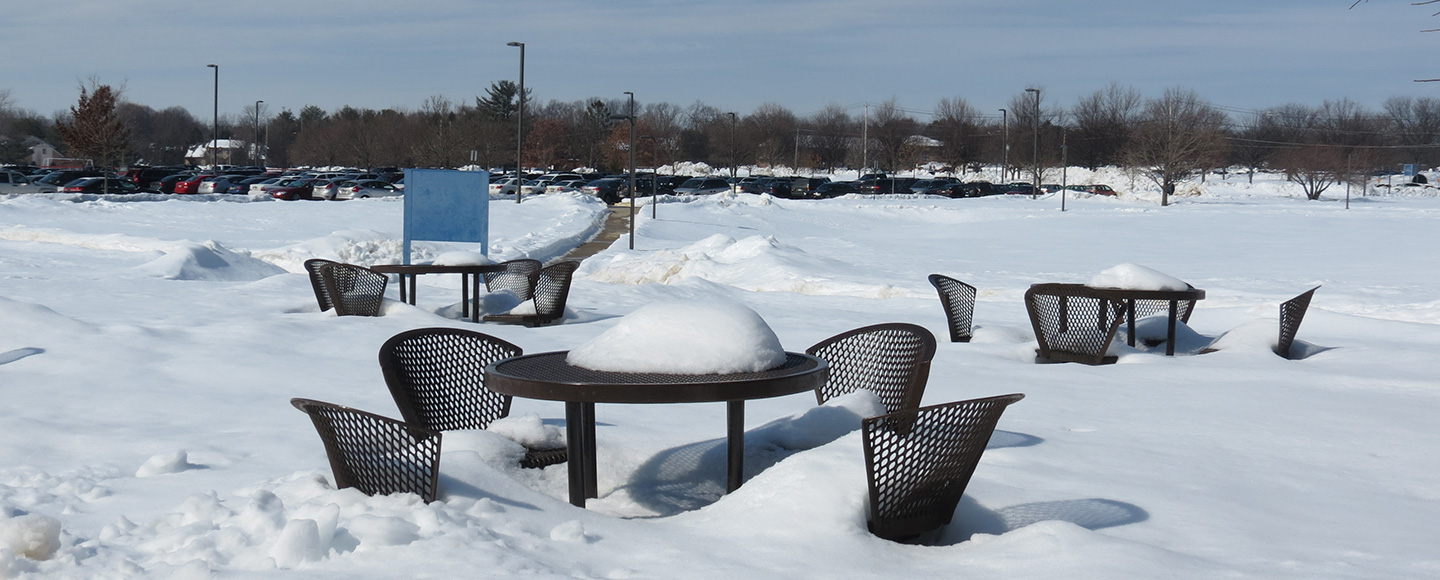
209 260
755 263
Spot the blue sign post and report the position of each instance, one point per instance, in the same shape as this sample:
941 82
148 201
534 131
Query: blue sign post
447 206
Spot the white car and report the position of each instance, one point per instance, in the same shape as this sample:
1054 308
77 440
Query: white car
506 185
366 188
567 186
16 182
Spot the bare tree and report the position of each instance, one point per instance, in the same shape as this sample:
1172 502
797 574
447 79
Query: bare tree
1416 124
1103 124
829 134
891 128
770 134
957 127
1179 136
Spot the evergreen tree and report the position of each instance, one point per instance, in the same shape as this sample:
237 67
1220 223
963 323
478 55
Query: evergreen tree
94 130
499 102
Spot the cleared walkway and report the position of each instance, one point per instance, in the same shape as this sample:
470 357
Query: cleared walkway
617 225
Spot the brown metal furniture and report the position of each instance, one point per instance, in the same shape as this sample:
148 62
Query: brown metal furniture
1073 322
919 461
317 281
546 376
958 299
891 360
550 289
374 454
437 377
514 276
1174 304
353 290
469 282
1292 312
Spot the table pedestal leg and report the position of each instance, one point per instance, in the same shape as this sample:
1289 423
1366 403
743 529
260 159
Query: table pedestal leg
734 444
412 288
1170 328
1130 322
475 295
464 295
580 438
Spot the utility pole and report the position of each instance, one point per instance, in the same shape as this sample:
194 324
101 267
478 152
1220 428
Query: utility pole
1005 131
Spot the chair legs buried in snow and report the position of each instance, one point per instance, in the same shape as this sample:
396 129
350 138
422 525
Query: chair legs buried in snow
958 299
891 360
374 454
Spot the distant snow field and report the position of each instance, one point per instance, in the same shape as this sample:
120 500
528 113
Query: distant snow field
149 346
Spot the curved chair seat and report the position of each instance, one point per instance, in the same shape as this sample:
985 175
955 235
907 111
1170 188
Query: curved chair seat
374 454
1073 323
353 290
515 277
958 299
551 289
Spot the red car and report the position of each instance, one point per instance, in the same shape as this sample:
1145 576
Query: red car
293 190
191 185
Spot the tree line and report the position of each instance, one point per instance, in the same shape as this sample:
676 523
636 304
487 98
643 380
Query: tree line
1169 137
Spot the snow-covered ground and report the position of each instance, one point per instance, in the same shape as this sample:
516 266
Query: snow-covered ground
149 347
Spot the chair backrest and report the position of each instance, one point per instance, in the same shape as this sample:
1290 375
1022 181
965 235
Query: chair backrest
1292 312
515 277
374 454
437 377
317 281
354 290
551 289
958 299
919 461
1073 323
891 360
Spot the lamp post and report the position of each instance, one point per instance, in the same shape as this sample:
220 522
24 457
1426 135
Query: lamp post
520 123
732 145
1005 131
215 126
631 117
256 145
1035 145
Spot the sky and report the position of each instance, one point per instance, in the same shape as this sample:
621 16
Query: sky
802 54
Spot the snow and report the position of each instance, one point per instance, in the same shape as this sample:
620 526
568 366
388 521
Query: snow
684 338
165 336
1136 277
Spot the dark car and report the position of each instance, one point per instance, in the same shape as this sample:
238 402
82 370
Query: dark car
62 177
147 178
971 189
100 185
1018 189
834 189
802 186
777 188
886 186
607 189
167 184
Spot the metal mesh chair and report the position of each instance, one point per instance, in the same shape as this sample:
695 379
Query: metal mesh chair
437 377
1183 309
1073 323
891 360
918 462
958 298
317 281
551 288
515 277
374 454
353 290
1292 312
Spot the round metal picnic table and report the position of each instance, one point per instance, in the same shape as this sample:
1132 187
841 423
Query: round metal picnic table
1129 296
547 376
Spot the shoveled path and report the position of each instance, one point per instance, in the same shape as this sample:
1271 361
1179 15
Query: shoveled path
617 225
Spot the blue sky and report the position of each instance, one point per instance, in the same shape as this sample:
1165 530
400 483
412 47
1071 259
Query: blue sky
802 54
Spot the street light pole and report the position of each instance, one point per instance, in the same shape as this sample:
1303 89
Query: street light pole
632 169
520 123
215 126
732 145
256 145
1005 130
1035 145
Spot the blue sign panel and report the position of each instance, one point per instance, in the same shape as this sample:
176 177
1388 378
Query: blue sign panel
1411 169
447 206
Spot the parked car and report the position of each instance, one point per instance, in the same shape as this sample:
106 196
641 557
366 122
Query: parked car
326 188
802 186
1018 189
190 184
219 183
100 185
365 188
62 177
932 185
834 189
886 186
971 189
503 186
292 189
607 189
777 188
566 186
703 186
16 182
1101 189
147 178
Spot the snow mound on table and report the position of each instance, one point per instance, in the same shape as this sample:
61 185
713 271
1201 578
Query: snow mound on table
1136 277
209 261
688 338
755 263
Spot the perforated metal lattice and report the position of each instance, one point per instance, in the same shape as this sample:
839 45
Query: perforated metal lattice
1072 323
1183 309
551 289
1292 312
958 299
437 377
515 277
890 360
918 462
317 281
374 454
354 290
